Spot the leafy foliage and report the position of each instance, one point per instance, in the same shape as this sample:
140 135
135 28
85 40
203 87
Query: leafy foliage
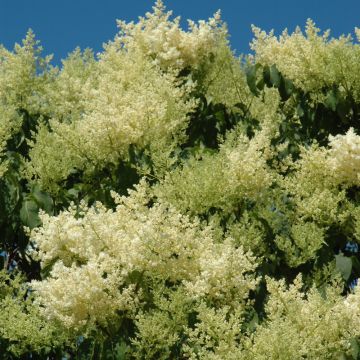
168 200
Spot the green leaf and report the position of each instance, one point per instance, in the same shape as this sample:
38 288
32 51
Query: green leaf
355 263
43 200
121 351
260 84
286 89
331 100
300 111
343 109
73 193
354 348
253 323
29 214
343 265
45 271
289 87
10 191
251 78
266 76
275 76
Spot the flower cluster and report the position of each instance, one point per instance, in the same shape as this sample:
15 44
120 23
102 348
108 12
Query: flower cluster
92 255
345 157
237 172
313 325
20 87
31 329
172 192
132 103
166 43
82 296
310 60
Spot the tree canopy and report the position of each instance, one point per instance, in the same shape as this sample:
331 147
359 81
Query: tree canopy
168 199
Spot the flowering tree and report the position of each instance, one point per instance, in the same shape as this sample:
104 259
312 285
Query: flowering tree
170 200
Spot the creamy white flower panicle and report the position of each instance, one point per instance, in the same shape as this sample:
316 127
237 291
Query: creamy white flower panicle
226 274
23 75
311 60
69 238
10 123
66 95
238 171
82 296
94 252
344 157
306 239
166 43
296 55
217 334
316 325
134 102
247 171
21 88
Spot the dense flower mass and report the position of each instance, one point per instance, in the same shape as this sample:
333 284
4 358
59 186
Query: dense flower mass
167 199
158 242
162 39
130 102
311 60
345 156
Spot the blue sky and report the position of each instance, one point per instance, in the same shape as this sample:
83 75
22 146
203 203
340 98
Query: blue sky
63 25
